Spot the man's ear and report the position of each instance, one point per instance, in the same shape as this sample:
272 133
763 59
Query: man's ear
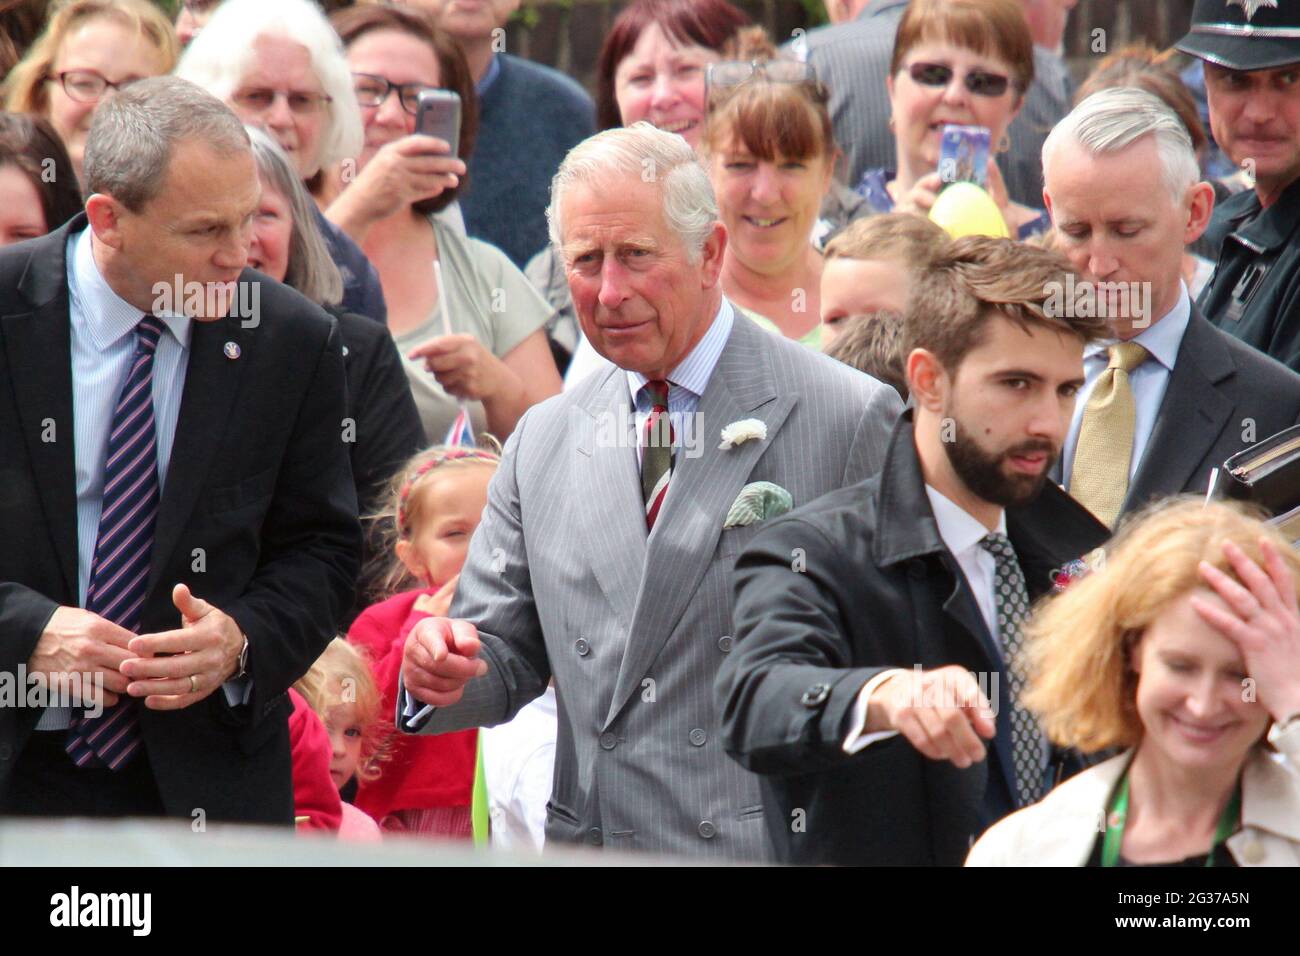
711 254
927 380
1198 212
105 216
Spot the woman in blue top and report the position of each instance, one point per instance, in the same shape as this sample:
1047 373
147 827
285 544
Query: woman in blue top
961 62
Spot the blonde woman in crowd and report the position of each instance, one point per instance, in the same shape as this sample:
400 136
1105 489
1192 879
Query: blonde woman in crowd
1183 649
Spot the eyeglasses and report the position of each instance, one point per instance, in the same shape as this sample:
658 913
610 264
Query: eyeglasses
725 77
979 82
87 86
259 100
372 90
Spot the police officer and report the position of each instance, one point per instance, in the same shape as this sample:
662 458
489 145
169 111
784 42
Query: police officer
1251 50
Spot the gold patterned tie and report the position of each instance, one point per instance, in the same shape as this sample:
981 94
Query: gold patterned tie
1099 480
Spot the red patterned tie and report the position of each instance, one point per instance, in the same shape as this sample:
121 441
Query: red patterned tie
656 450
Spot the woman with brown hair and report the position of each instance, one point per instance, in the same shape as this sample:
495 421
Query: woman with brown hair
38 190
771 155
89 48
955 62
471 333
1183 648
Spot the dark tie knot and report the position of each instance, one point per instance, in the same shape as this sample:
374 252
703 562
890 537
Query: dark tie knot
998 545
656 390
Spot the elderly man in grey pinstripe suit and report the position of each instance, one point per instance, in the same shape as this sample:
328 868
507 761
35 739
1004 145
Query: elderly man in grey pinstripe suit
852 59
585 570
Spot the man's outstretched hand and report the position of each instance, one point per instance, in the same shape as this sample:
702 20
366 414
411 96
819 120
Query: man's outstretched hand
440 658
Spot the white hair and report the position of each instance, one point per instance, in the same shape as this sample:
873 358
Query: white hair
652 155
1110 120
219 56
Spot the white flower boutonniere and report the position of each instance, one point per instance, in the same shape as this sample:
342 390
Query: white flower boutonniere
737 433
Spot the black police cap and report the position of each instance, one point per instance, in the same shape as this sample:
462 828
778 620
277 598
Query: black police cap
1244 34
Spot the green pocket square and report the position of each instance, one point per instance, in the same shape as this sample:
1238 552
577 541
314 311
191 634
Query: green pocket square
758 501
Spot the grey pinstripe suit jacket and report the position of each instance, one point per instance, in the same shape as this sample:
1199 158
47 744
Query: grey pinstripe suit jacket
561 579
852 59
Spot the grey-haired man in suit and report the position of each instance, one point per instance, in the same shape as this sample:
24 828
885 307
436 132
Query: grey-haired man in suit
605 556
1170 396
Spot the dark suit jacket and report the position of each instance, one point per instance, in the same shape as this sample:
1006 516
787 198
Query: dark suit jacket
877 589
1222 396
258 480
387 433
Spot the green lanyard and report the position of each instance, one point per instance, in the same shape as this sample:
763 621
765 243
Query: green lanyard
1119 813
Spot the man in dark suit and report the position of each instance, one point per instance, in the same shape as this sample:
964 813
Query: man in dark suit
178 510
877 628
1168 396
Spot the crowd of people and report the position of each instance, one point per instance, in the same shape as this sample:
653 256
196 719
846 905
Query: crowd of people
673 471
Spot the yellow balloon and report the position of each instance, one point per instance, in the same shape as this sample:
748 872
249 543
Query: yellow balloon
964 209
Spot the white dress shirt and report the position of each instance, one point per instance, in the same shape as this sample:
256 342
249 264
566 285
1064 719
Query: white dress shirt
1148 381
961 533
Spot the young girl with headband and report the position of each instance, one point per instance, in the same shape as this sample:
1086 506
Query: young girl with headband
424 787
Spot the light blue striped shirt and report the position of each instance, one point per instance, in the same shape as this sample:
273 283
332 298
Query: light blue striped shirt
103 345
689 379
1148 381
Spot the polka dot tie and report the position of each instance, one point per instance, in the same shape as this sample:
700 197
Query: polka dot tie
1012 601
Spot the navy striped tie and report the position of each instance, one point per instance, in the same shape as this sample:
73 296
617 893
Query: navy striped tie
119 571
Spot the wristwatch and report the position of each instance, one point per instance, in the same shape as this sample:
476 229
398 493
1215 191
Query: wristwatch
243 661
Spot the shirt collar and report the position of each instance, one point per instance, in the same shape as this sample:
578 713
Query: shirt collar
1161 339
694 371
958 528
107 316
1271 227
493 71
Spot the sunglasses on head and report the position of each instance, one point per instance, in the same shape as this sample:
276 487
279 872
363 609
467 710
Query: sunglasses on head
979 82
723 78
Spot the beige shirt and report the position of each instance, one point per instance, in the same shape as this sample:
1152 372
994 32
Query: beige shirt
489 298
1060 829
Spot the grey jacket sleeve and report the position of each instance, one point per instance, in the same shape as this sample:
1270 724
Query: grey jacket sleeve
495 595
867 454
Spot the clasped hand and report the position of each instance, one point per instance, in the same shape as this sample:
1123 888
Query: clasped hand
155 667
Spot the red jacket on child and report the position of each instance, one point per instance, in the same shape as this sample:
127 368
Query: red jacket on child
421 772
314 794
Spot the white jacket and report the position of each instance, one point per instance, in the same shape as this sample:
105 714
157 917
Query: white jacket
1060 829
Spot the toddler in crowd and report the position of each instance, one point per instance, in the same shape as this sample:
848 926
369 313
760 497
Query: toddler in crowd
340 690
425 785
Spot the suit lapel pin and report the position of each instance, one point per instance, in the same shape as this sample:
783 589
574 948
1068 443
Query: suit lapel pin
232 350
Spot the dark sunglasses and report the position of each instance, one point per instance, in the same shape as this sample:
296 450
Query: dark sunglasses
979 82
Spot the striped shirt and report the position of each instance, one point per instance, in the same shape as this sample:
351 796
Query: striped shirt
102 348
688 380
